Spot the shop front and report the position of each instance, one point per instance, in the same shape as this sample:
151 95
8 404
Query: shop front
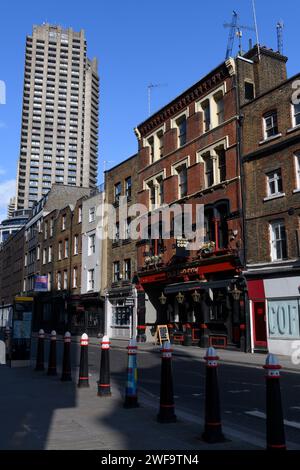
121 313
205 302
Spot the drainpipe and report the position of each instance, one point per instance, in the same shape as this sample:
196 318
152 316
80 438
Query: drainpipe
242 202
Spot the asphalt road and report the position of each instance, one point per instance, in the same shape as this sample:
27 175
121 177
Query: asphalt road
242 389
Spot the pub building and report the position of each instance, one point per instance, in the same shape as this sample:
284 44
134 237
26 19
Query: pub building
188 154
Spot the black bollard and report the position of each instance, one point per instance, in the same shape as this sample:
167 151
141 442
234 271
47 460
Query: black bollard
66 368
131 399
104 379
274 423
83 380
52 355
40 352
171 332
213 426
167 407
188 338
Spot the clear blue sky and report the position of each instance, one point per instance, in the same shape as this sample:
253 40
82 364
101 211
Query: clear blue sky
137 42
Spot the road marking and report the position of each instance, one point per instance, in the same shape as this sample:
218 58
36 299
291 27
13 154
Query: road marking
197 394
260 414
239 391
295 407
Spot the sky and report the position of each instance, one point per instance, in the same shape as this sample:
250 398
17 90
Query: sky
137 42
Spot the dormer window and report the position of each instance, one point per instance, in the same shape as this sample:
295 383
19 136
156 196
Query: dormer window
206 115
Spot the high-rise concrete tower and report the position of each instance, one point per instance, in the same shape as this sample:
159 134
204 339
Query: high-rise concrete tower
59 135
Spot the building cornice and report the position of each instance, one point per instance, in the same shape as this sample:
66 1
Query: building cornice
199 89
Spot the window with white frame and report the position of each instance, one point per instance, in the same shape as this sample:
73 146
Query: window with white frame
270 122
221 156
75 277
209 169
50 254
127 269
66 250
44 255
91 280
296 114
155 143
59 251
274 183
297 169
76 244
51 227
181 126
58 280
116 271
182 180
127 228
65 280
151 147
214 159
63 222
45 230
38 252
219 100
49 282
25 260
117 191
92 213
91 245
278 240
128 185
116 238
155 186
160 136
79 214
206 115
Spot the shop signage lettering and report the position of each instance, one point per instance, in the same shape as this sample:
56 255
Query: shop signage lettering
283 318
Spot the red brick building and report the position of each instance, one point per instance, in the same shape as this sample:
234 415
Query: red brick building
188 155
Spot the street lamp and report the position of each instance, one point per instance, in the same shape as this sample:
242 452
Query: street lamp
163 299
236 293
180 298
196 296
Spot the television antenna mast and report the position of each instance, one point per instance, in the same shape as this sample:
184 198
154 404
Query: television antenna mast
150 88
236 29
279 27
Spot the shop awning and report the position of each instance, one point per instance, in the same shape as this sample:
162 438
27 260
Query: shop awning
190 286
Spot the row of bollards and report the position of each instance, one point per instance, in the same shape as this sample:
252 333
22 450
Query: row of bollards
212 433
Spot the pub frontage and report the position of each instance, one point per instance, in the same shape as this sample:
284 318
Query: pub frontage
202 301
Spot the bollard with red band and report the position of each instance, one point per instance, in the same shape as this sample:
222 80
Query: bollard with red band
166 412
40 352
52 355
274 423
213 426
83 380
66 368
131 399
104 379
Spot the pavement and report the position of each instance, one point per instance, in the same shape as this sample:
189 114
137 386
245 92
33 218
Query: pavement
40 412
226 356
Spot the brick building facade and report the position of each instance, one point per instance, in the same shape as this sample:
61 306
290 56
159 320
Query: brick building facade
122 302
271 164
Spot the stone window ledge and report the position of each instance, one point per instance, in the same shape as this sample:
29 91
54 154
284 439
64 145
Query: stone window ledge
274 196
